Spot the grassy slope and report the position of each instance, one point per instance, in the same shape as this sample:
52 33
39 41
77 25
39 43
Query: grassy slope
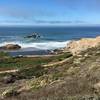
76 79
7 63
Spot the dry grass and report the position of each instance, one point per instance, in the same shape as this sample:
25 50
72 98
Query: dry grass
76 79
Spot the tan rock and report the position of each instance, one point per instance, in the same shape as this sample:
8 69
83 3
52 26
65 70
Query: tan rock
11 47
78 46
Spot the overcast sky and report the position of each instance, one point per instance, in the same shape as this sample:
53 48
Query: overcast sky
49 12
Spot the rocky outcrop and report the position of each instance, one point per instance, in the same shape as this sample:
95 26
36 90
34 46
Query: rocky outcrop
56 51
78 46
34 35
9 79
11 47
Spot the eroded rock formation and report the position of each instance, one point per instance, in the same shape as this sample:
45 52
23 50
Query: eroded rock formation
80 45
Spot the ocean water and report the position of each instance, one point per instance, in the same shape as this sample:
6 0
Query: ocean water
51 37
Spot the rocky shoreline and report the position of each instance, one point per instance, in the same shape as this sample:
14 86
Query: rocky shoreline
75 47
78 46
60 77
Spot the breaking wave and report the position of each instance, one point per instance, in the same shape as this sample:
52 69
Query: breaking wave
40 45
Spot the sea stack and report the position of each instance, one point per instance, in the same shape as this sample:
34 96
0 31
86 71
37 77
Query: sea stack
34 35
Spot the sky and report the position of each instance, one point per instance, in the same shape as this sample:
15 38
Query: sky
49 12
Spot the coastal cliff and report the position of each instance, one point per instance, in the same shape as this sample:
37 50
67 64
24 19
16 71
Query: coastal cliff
83 44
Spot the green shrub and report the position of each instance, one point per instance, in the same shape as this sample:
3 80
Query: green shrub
33 71
3 54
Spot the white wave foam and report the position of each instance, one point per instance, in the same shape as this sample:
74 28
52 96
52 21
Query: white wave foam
38 45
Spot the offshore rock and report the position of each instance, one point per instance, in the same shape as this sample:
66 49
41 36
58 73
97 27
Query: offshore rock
10 47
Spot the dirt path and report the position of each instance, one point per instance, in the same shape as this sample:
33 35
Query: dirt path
39 56
47 65
9 71
57 63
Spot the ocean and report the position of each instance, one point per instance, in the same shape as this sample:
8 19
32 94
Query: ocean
50 37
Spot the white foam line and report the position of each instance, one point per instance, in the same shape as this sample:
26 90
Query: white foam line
43 45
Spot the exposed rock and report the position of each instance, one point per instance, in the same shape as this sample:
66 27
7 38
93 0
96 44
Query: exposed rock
34 35
9 79
77 47
58 51
11 47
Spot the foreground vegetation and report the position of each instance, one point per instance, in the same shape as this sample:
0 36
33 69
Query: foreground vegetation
7 62
76 79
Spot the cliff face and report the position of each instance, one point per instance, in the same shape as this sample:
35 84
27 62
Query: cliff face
77 47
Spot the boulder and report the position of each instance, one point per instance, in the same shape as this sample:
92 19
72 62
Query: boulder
11 47
9 79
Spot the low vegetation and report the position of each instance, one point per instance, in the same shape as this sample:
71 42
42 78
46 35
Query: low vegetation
4 54
76 79
24 62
